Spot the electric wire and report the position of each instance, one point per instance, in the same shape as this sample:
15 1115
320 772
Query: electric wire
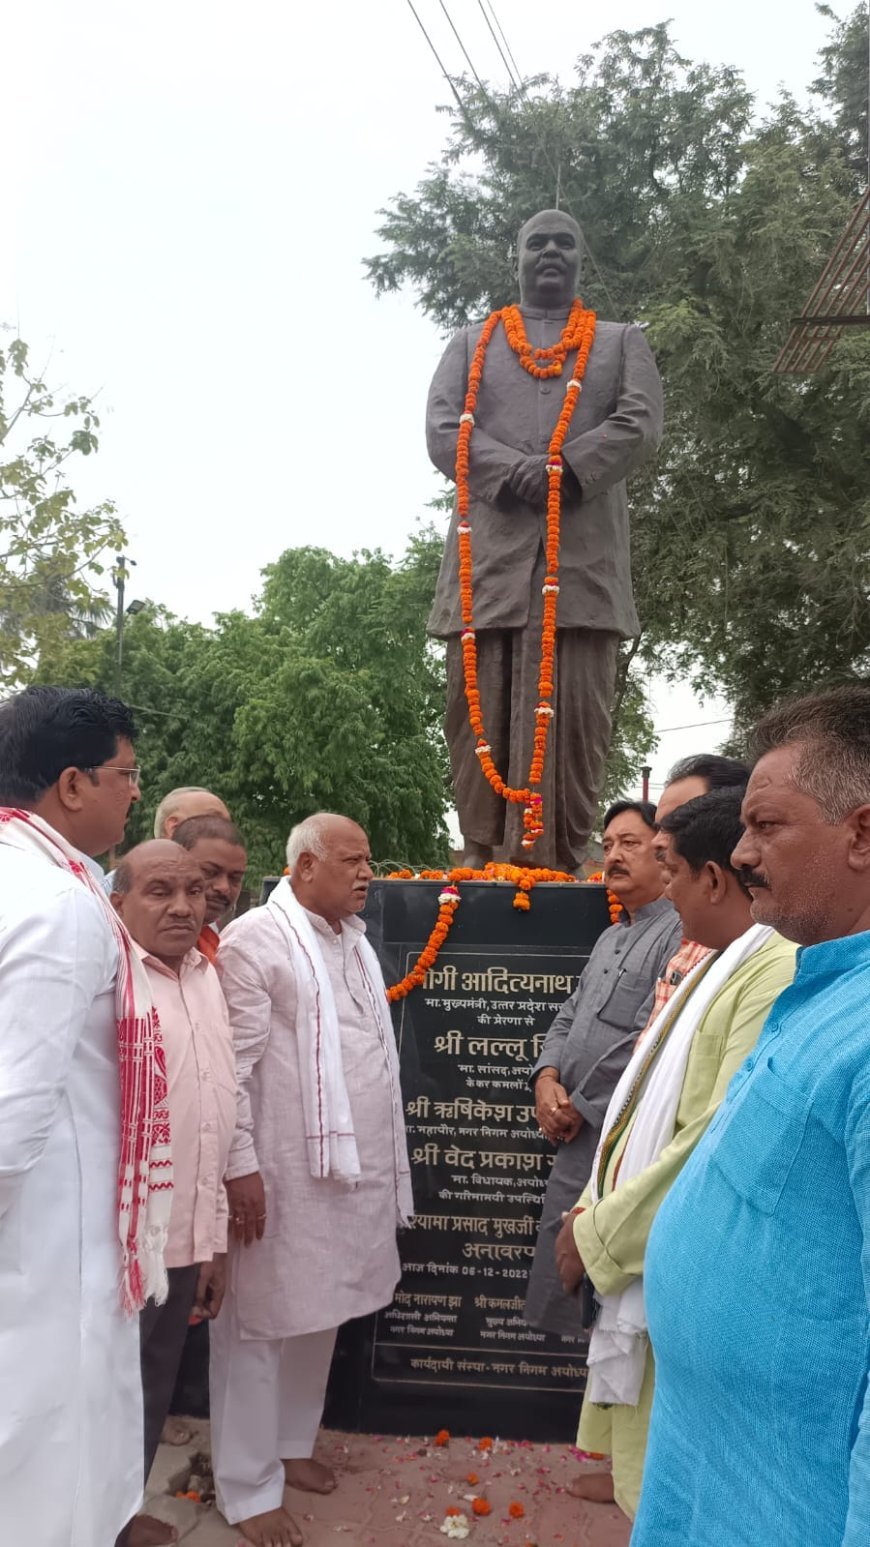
506 43
441 65
494 35
465 52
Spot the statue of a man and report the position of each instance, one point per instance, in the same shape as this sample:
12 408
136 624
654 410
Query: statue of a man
615 426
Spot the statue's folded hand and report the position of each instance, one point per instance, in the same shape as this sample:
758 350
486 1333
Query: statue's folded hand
528 480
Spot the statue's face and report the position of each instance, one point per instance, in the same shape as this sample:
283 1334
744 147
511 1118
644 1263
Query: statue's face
549 261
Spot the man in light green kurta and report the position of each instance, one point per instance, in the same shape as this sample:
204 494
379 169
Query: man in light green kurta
608 1239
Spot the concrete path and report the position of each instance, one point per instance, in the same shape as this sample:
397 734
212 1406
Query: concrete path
395 1493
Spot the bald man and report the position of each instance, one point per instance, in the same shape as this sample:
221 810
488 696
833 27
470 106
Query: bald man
318 1177
616 426
187 801
160 893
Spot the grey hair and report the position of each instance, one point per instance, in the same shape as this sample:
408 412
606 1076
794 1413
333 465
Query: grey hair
833 731
170 803
307 837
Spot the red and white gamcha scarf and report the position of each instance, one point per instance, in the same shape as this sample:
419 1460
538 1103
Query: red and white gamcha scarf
145 1167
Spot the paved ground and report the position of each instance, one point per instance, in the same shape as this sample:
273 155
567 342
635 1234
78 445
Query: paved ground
395 1493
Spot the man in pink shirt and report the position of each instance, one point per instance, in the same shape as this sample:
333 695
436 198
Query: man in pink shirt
160 893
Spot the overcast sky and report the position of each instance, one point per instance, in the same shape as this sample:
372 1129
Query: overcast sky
189 190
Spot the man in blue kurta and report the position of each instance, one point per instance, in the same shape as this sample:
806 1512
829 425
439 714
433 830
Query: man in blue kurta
758 1266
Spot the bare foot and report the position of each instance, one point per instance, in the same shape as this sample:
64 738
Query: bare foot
148 1531
309 1476
275 1528
595 1487
176 1432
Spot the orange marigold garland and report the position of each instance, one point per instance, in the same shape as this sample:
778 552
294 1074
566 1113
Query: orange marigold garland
523 877
579 333
448 902
614 906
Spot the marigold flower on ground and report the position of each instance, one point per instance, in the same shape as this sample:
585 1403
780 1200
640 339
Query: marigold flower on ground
484 1444
442 1437
516 1510
481 1507
472 1478
453 1509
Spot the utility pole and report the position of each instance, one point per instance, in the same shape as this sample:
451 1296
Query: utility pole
645 776
120 574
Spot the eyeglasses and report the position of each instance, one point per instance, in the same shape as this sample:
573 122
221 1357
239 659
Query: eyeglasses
133 774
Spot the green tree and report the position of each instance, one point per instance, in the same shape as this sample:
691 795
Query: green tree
633 739
710 224
842 86
50 552
328 696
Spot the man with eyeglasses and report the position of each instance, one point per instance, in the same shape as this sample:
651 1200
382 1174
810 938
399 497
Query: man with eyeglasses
85 1167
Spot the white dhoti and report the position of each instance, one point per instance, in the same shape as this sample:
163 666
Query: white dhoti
266 1397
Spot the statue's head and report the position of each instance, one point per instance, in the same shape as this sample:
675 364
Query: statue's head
548 254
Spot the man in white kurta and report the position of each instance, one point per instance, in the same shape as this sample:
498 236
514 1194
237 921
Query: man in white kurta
70 1392
315 1250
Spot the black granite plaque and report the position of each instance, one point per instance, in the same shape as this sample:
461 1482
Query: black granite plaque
453 1349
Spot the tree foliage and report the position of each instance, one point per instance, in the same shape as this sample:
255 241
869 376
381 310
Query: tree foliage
711 224
50 551
327 697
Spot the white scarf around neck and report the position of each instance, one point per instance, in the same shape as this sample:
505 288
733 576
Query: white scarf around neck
329 1131
618 1345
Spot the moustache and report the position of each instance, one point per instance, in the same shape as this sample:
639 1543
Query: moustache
750 878
616 870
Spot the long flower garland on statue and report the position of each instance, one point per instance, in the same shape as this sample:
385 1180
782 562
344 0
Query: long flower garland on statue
579 333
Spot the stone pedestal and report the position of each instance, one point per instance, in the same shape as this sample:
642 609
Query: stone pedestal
453 1350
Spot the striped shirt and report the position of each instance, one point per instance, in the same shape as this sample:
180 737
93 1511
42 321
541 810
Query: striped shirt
680 964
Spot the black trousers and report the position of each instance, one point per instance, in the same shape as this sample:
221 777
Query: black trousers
162 1331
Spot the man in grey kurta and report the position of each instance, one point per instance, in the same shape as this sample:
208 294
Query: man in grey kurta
616 426
592 1038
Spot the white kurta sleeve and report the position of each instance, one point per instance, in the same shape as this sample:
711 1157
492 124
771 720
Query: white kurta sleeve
53 964
250 1007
